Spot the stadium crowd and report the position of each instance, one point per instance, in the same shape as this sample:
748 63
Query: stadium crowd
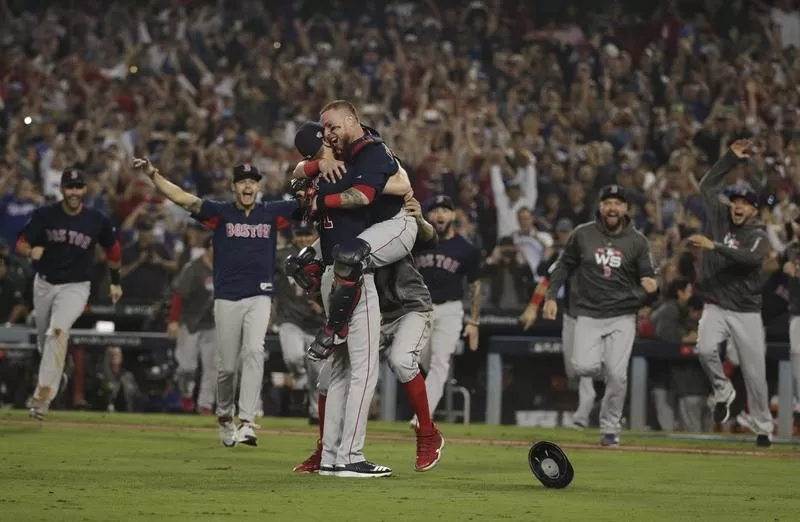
518 110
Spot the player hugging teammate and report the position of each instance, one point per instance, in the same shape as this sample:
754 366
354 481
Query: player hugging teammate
358 203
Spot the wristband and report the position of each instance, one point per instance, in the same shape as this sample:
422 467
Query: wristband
114 275
331 201
540 293
311 169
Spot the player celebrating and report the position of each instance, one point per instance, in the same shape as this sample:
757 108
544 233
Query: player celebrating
298 317
444 270
191 322
60 239
613 272
406 309
730 282
244 260
790 260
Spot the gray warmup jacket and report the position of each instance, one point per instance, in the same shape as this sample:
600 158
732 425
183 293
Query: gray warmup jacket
401 288
730 275
607 270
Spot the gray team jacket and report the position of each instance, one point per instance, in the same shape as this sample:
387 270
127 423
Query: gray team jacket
792 254
606 269
401 288
195 284
730 275
292 303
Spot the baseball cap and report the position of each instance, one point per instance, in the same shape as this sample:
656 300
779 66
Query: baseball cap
613 191
741 192
441 200
308 139
218 175
564 224
304 229
72 178
245 171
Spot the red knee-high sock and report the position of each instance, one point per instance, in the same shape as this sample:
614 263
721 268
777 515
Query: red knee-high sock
418 398
321 410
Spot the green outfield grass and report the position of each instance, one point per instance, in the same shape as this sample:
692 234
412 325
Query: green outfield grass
78 466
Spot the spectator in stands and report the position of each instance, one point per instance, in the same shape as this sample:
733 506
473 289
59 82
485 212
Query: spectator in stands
16 206
146 266
680 384
512 190
511 278
535 245
12 301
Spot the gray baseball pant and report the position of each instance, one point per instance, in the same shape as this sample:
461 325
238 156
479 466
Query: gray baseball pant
354 376
402 341
191 347
746 330
305 373
794 351
57 307
448 321
241 331
602 350
586 393
390 240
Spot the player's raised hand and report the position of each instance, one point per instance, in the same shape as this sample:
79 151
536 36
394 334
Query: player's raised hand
740 148
649 284
701 241
115 293
331 170
144 166
550 310
36 253
529 316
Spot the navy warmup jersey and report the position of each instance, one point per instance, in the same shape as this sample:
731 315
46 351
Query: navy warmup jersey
445 267
68 242
244 246
370 169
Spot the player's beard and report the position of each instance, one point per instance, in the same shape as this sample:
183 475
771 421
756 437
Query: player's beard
73 203
613 222
443 229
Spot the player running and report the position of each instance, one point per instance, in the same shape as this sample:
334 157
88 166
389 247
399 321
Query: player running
244 261
444 270
790 260
406 309
730 278
60 239
614 272
298 317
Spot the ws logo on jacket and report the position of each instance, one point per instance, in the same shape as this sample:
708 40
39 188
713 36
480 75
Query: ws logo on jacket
609 258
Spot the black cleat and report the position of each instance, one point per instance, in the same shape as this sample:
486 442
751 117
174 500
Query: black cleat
722 409
763 441
363 469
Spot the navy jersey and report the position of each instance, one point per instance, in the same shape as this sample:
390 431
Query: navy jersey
370 168
445 267
68 240
244 246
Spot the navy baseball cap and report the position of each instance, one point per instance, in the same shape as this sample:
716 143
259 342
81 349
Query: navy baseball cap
613 191
441 200
72 178
308 139
218 175
245 171
741 192
304 229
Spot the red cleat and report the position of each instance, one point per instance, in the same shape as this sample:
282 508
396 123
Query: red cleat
312 463
429 449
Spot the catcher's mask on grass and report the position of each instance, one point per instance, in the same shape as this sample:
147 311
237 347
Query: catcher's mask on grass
550 465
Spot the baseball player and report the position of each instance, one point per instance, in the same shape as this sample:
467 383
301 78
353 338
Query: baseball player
790 260
244 260
614 273
444 270
406 310
586 393
733 251
298 317
60 239
191 322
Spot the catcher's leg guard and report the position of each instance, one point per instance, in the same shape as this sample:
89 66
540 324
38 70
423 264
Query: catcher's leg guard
348 270
550 465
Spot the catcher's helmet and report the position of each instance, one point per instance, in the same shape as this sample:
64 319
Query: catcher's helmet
550 465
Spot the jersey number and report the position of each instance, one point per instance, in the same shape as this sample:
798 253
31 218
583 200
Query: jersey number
327 224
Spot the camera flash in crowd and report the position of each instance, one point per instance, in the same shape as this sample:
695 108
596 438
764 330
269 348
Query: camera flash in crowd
28 120
133 69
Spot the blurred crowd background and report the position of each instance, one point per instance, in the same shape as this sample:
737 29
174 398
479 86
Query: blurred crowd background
519 110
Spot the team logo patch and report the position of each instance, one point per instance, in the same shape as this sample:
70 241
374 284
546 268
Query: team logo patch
609 258
730 241
265 287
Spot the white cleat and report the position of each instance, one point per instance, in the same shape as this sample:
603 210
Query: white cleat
246 434
414 423
227 433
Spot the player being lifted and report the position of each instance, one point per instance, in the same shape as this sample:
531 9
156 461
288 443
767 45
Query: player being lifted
244 268
60 239
613 272
730 282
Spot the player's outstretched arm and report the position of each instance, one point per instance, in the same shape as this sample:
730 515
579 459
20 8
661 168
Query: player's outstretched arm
172 191
714 179
398 183
531 312
750 254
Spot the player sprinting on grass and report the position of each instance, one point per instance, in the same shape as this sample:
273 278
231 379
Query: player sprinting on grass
244 268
